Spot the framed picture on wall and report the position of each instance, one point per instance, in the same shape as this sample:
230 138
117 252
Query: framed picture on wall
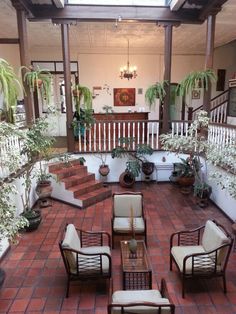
196 94
124 96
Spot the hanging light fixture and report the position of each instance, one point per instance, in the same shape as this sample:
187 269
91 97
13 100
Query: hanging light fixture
128 71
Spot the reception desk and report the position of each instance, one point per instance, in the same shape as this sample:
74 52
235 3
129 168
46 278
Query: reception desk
120 124
121 116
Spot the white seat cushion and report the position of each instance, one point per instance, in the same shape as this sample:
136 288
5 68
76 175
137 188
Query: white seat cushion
214 237
123 225
95 250
137 296
179 253
123 204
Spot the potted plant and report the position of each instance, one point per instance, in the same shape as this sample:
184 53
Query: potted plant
194 144
39 80
195 80
9 87
82 93
155 91
103 167
135 159
36 146
10 222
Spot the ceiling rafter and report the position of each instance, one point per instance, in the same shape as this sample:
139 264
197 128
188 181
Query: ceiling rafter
111 13
212 7
25 5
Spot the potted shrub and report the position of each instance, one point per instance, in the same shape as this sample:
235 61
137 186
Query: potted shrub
10 87
36 146
82 93
135 159
38 80
155 91
194 144
10 222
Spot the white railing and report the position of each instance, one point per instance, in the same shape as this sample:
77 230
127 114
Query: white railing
103 136
179 128
221 135
10 156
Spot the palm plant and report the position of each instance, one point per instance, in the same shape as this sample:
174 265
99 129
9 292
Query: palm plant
10 87
38 80
155 91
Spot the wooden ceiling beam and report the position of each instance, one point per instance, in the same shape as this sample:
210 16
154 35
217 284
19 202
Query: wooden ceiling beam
211 8
9 41
112 13
24 5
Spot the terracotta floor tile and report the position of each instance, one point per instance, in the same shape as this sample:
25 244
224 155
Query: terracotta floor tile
8 293
19 305
36 304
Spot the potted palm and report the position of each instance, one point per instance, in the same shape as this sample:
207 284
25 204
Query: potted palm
38 80
10 87
155 91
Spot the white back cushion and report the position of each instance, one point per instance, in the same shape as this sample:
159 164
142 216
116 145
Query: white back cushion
214 237
123 204
71 239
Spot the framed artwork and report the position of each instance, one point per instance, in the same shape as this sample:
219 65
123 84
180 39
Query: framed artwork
124 96
196 94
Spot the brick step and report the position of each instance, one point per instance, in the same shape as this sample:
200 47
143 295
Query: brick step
58 165
85 188
70 171
95 196
78 179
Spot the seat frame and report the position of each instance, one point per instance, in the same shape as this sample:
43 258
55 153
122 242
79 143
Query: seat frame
115 233
164 293
87 239
193 237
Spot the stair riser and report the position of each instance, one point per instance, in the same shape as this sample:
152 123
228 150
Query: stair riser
78 181
72 172
57 166
88 189
95 199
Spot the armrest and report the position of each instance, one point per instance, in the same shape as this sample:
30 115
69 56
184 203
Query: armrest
94 238
186 237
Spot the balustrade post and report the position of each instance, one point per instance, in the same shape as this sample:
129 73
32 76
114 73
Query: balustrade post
190 113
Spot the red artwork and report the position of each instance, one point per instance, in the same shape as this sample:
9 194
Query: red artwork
124 96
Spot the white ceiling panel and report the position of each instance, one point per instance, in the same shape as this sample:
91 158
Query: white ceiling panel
112 36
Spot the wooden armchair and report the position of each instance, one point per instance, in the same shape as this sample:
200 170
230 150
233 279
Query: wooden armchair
121 210
141 301
202 252
85 254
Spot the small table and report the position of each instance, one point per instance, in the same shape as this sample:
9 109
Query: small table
137 273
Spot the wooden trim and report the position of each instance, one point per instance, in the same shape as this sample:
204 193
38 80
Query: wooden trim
9 41
109 12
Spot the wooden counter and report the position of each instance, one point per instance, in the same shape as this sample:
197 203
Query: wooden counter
120 124
121 116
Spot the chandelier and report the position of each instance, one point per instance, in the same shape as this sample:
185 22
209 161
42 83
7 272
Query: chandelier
128 71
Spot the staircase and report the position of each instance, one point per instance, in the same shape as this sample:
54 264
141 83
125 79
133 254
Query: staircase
73 184
218 111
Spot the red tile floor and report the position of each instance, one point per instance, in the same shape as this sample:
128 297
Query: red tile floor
35 275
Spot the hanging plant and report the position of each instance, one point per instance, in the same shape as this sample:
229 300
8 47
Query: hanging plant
39 80
194 80
10 87
155 91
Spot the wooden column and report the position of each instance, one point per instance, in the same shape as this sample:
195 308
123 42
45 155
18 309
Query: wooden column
25 60
167 75
67 79
210 38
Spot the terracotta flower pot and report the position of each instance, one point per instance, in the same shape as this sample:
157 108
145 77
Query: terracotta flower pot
186 181
126 179
148 168
44 189
104 170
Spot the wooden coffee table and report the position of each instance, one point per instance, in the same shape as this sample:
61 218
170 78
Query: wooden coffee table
137 272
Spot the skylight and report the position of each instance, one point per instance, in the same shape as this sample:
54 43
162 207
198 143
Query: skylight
120 2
